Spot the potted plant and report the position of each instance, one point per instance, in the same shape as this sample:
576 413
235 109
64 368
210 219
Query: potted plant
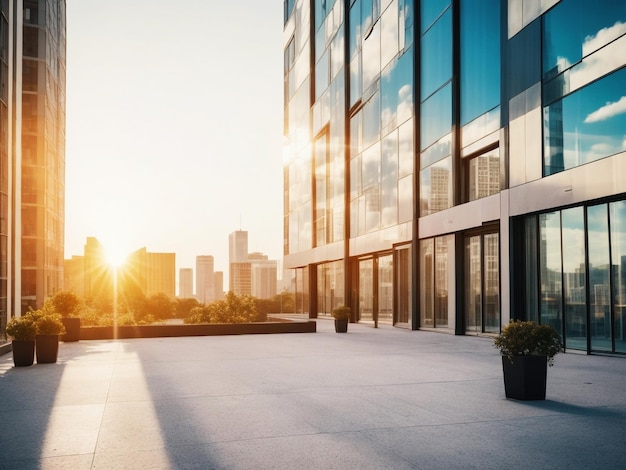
22 332
341 315
49 328
68 305
527 349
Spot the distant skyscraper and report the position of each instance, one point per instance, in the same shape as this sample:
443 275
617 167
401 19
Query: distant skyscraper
152 273
204 279
264 273
238 247
185 283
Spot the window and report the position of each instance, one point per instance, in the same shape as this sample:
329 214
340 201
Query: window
483 174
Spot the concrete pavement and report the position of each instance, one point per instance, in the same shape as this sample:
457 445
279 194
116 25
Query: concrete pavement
370 399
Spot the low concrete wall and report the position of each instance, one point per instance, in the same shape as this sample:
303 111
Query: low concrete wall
163 331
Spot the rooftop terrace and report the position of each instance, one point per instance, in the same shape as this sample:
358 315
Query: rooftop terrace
382 398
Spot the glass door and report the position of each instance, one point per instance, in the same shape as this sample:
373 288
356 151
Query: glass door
482 283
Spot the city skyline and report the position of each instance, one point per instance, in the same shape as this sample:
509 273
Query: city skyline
159 152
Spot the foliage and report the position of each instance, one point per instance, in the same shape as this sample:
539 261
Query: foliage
158 306
526 338
47 321
182 307
342 313
21 328
233 309
65 303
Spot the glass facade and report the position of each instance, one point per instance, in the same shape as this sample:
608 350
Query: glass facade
464 171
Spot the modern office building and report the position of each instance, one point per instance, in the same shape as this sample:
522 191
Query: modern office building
453 164
153 273
32 153
263 276
205 283
218 278
185 283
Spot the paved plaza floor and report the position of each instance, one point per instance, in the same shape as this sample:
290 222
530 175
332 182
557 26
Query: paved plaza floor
381 398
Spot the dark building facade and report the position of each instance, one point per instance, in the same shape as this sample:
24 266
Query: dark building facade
454 164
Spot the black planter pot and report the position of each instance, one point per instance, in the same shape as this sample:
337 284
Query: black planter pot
23 352
525 377
341 326
72 329
47 348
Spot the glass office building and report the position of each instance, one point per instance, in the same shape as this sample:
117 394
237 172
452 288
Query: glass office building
32 153
454 164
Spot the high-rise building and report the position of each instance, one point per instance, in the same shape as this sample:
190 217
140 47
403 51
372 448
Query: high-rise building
452 165
185 283
32 153
205 284
239 268
152 273
263 277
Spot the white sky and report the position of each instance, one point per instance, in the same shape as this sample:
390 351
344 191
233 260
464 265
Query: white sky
174 126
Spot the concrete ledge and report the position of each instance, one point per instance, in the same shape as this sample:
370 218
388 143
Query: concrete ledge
164 331
5 348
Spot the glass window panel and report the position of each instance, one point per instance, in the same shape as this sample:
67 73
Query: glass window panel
371 120
406 23
431 9
355 28
366 290
436 187
356 185
573 29
484 175
550 270
480 57
385 289
405 199
531 272
473 285
371 57
355 80
336 54
441 282
403 285
436 57
427 283
599 278
406 151
322 74
436 120
617 214
574 276
389 183
389 33
587 125
396 91
491 297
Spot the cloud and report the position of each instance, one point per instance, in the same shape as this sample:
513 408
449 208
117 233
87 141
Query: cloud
607 111
603 37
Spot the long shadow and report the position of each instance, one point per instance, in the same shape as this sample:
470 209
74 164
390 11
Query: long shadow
574 410
27 398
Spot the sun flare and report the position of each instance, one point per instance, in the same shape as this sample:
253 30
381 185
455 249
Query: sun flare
116 255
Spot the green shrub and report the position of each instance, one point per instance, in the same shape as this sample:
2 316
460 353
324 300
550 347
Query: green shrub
526 338
21 328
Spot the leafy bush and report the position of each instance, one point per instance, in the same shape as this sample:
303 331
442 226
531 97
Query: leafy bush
233 309
21 328
65 303
526 338
342 313
47 321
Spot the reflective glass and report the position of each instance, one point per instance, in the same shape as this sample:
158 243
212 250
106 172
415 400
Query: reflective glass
531 274
574 278
355 28
322 74
405 199
406 23
371 120
436 57
436 187
480 57
371 57
441 281
436 117
406 151
396 90
617 214
491 294
385 289
403 285
473 285
431 9
484 175
366 290
389 37
573 29
427 283
389 182
371 186
599 278
355 80
550 270
587 125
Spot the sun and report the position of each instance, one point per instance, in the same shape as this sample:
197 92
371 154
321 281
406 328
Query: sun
116 255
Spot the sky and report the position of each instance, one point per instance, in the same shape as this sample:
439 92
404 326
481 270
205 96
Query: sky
174 127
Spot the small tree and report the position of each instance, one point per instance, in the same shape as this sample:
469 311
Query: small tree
65 303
